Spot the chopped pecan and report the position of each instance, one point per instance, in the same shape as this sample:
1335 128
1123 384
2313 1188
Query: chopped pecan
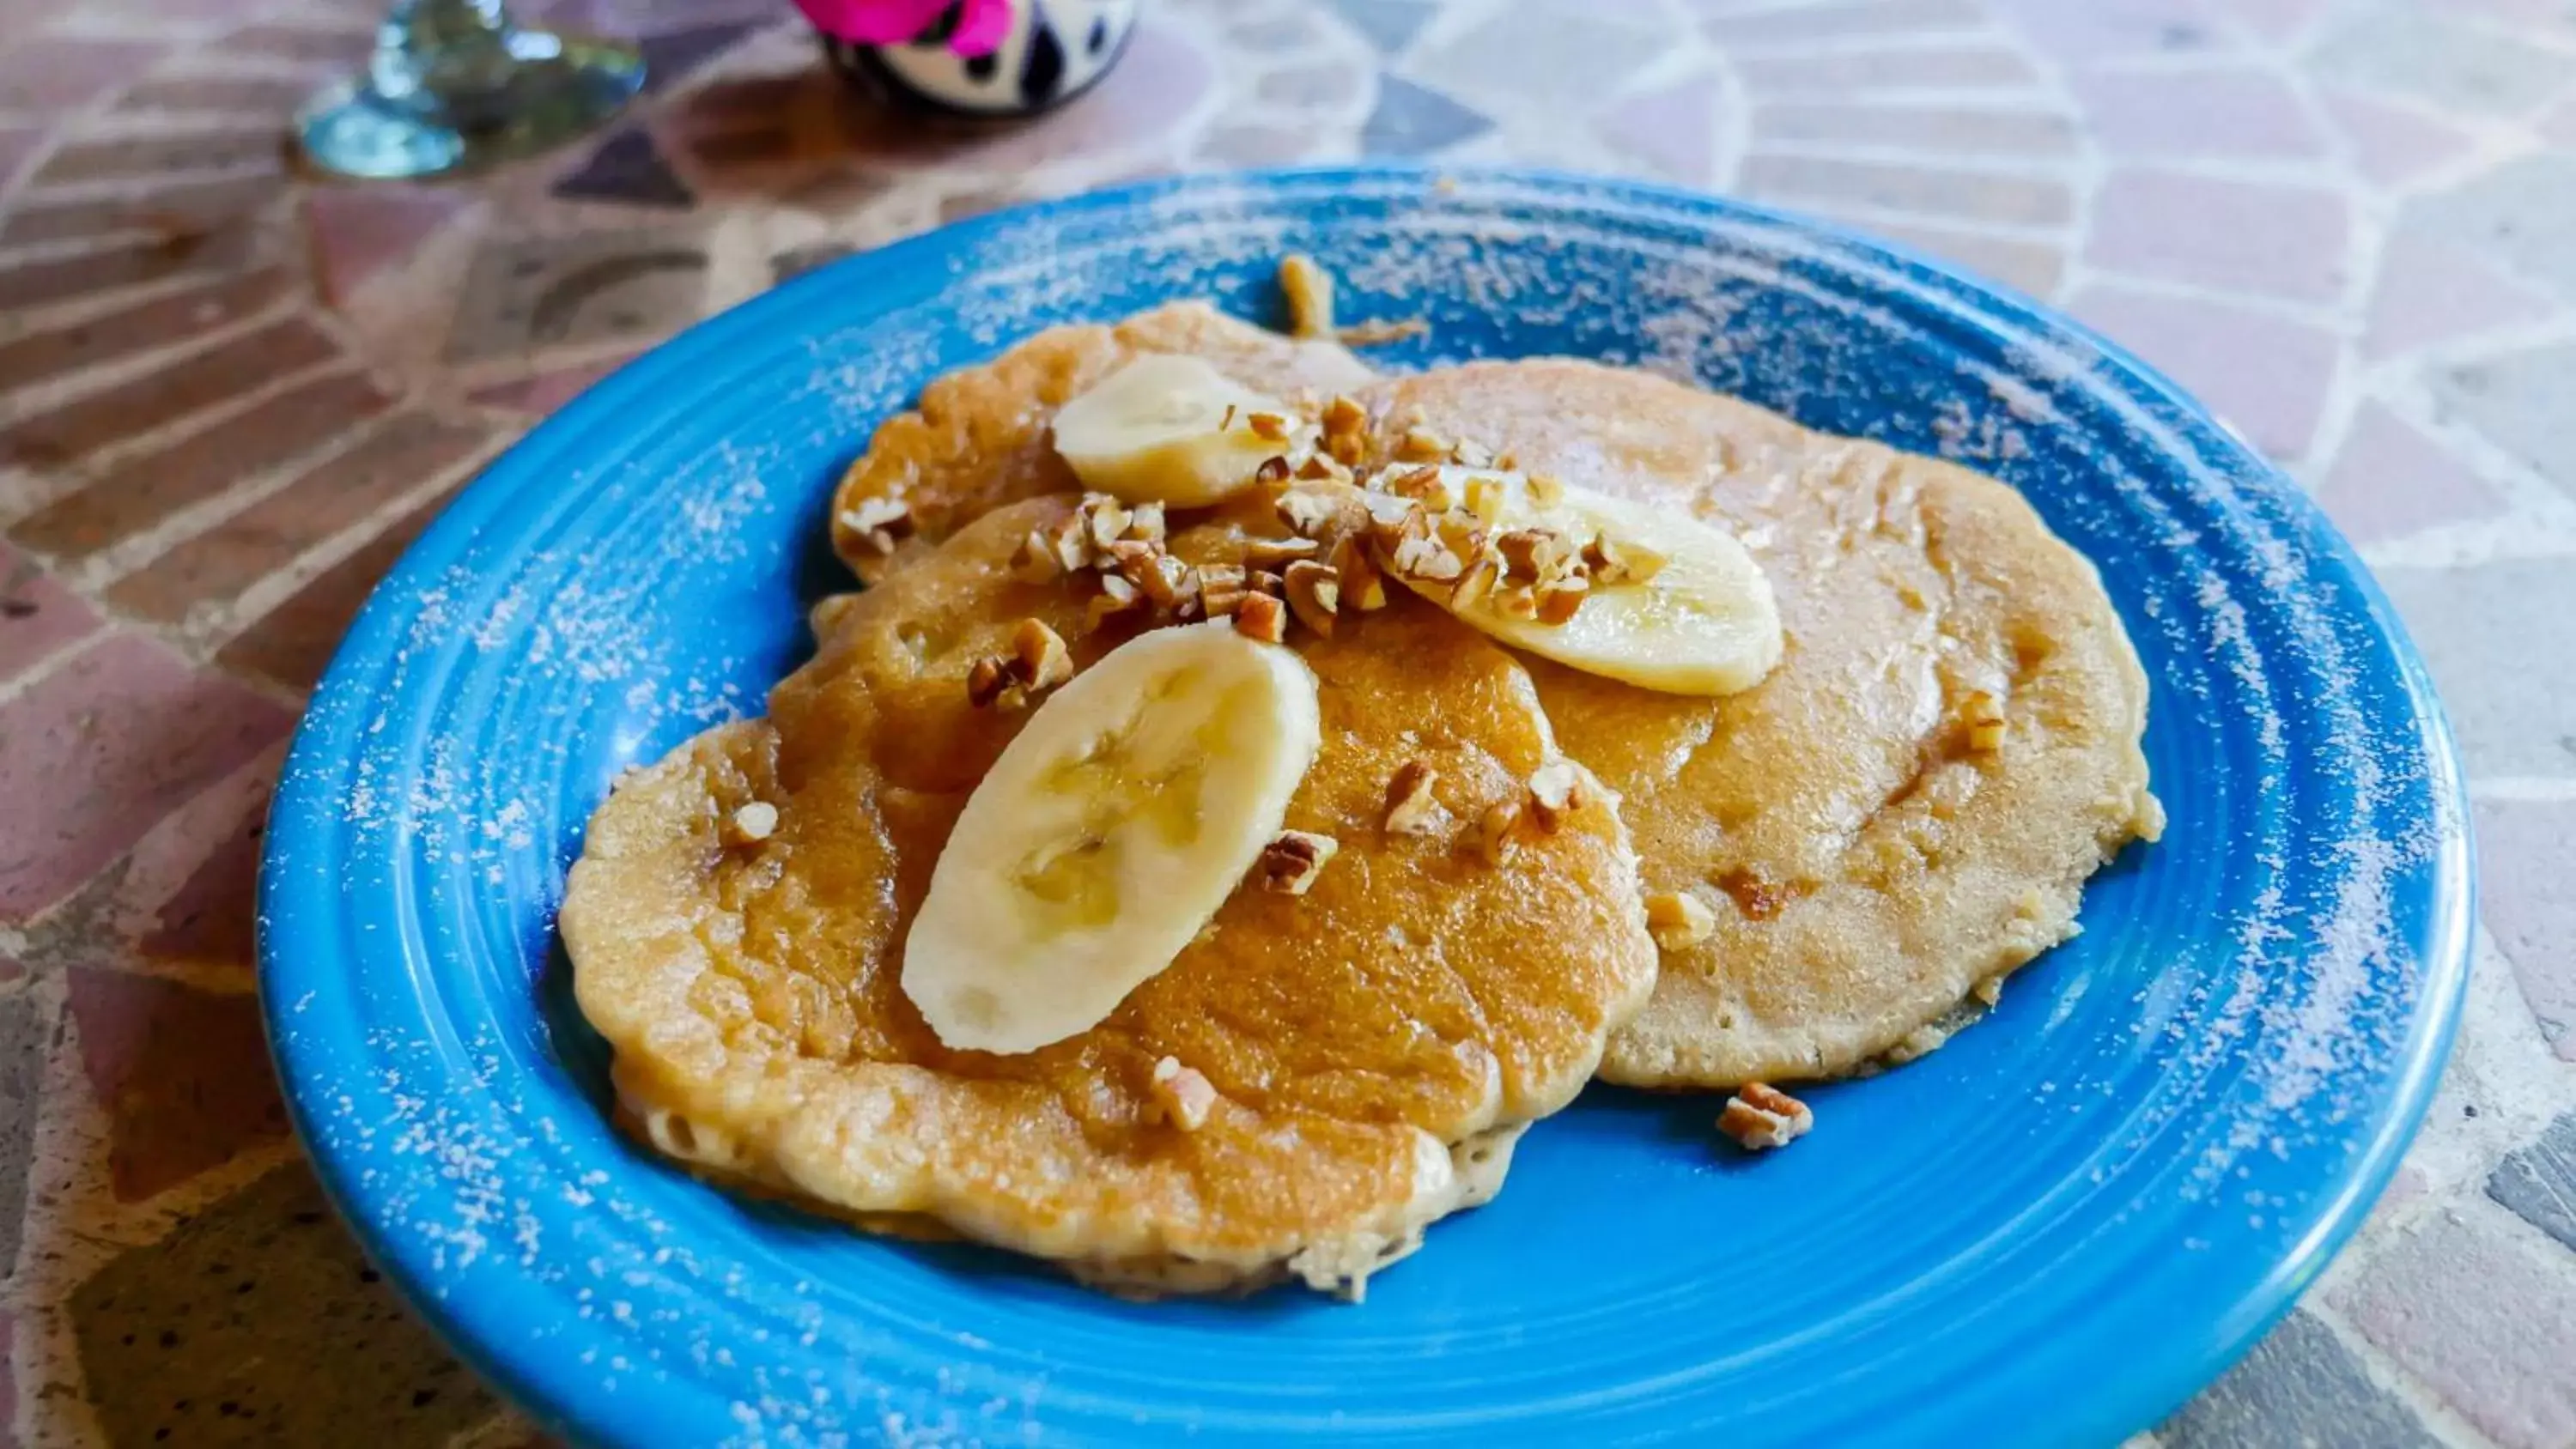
1322 466
1309 289
1411 808
989 683
1261 616
1184 1096
1475 583
1221 587
751 824
1270 553
1528 553
879 522
1363 587
1105 519
1307 511
1559 601
1425 486
1555 791
1314 595
1612 562
1419 444
1498 831
1069 540
1039 660
1117 596
1290 863
1981 716
1678 920
1035 561
1760 1116
1344 418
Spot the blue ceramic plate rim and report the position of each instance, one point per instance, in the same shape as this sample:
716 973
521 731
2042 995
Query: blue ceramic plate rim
298 897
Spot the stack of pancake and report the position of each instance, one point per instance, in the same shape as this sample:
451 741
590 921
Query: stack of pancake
1861 845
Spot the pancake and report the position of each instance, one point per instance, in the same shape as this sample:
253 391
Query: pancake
1374 1043
1871 871
978 440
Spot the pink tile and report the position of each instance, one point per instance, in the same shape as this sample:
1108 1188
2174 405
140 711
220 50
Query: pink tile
2260 238
182 1074
2389 480
37 615
207 921
2236 112
100 748
2266 375
2489 1325
17 143
2391 144
182 892
1673 128
2526 856
359 231
2431 290
65 72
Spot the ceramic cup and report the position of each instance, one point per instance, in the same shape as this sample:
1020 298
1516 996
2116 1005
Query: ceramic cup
1052 51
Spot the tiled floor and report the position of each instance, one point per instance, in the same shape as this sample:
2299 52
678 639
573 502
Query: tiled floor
227 398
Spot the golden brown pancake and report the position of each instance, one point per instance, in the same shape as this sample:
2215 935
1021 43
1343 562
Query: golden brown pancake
1369 1040
1868 869
979 438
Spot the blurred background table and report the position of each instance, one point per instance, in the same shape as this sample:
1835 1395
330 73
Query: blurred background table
229 396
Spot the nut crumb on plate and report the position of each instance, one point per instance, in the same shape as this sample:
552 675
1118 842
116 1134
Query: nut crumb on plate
1760 1116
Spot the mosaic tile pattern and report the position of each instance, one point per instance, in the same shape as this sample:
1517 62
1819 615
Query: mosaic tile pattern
228 397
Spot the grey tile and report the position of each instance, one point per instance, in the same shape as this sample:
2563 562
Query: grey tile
1412 120
2299 1389
216 1336
26 1039
2539 1182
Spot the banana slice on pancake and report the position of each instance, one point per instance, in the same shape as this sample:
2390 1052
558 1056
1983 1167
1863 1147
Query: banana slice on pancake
1108 833
1166 428
1650 596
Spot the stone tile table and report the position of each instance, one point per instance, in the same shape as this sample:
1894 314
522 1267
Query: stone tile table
228 397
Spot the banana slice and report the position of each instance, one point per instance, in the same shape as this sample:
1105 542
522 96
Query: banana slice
1127 810
1170 429
1693 613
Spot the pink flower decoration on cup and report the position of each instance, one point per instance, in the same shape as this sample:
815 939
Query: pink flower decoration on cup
981 24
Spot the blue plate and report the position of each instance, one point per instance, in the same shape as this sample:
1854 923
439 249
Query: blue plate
2050 1232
